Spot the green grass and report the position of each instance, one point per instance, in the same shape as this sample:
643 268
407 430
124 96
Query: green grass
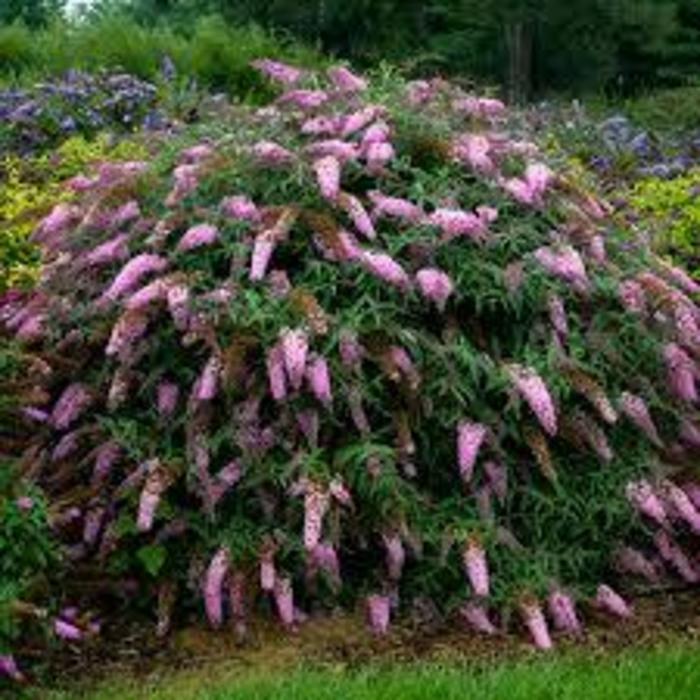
671 672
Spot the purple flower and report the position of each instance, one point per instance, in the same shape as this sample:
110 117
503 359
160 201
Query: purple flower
340 150
67 631
198 236
632 297
71 405
129 328
635 408
531 387
470 437
9 668
276 373
113 250
179 305
132 273
435 285
106 457
318 376
476 567
557 316
474 150
563 611
186 181
477 618
304 99
564 263
241 208
328 176
455 222
345 80
272 154
378 154
632 561
25 503
360 119
682 373
395 207
378 613
281 72
351 350
609 601
385 268
321 126
295 346
357 213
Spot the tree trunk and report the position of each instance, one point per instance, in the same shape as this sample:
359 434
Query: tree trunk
519 45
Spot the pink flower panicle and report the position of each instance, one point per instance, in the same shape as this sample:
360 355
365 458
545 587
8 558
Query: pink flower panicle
325 558
129 328
67 631
360 119
271 154
113 250
276 372
395 555
328 174
9 668
178 298
563 612
564 263
631 561
480 107
132 273
672 553
534 620
322 126
396 208
319 378
531 189
240 208
197 237
106 458
455 222
186 182
167 395
378 613
435 285
280 72
358 215
345 80
304 99
609 601
470 437
534 391
474 150
477 618
284 600
680 505
316 504
342 151
476 567
52 227
351 350
642 496
386 269
263 248
156 483
213 586
682 373
378 155
295 347
72 403
635 408
557 316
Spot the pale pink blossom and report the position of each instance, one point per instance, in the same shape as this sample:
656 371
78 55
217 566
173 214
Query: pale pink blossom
535 392
682 373
378 155
72 403
106 458
378 613
213 586
322 126
379 132
633 297
67 631
642 496
319 379
240 208
476 567
186 182
419 92
455 222
272 154
360 119
609 601
295 347
263 248
679 277
304 99
530 189
325 558
339 491
480 107
207 384
328 177
179 305
358 215
156 483
631 561
562 610
672 553
395 555
9 668
268 571
132 273
394 207
351 350
148 295
635 408
53 226
536 624
385 268
477 618
284 600
281 72
470 437
197 237
316 503
276 373
565 263
114 250
66 446
435 285
680 505
342 151
557 316
474 150
345 80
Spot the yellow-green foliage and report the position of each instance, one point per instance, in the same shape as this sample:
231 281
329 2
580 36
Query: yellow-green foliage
30 188
671 209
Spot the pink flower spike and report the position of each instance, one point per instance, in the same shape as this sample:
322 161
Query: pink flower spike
304 99
240 208
378 613
455 222
682 373
386 268
213 586
641 495
634 407
197 237
680 505
321 126
263 248
632 297
132 273
497 475
563 611
632 561
435 285
342 151
672 553
536 624
564 263
395 556
328 176
113 250
316 504
470 437
476 567
474 150
477 618
609 601
557 316
358 215
207 384
151 494
72 403
345 80
284 600
167 397
359 120
272 154
318 376
281 72
395 207
66 631
378 155
295 347
9 668
531 387
276 374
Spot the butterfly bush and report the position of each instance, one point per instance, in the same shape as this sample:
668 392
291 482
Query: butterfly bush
287 353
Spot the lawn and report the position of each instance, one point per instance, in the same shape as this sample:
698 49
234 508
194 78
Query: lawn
671 671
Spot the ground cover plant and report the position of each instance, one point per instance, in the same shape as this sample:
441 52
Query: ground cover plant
363 345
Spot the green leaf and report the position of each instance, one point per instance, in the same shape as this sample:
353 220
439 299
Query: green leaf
153 558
